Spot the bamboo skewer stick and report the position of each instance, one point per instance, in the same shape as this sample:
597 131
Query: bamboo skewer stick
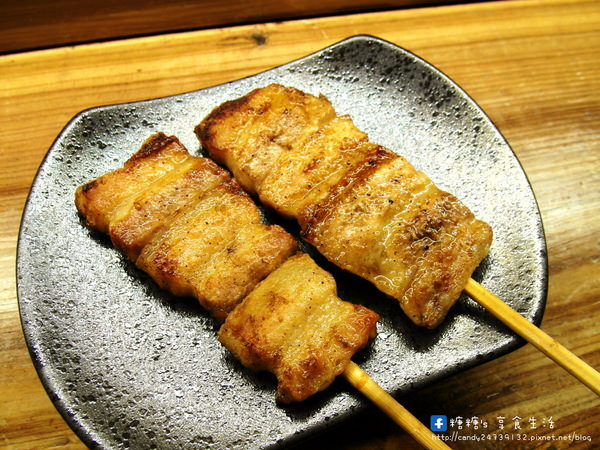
539 339
515 321
370 389
534 335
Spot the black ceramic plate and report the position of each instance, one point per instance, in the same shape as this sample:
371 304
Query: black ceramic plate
129 365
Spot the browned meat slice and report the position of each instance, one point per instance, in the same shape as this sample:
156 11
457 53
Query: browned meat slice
302 178
413 241
232 273
138 218
194 255
98 199
184 221
364 207
249 134
294 325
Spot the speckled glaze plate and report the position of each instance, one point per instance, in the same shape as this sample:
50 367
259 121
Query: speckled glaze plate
128 365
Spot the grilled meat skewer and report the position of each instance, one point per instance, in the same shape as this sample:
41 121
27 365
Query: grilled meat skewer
365 208
190 226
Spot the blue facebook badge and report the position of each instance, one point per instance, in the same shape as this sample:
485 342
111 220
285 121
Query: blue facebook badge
439 423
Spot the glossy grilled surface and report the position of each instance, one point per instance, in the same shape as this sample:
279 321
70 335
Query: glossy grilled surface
137 219
303 178
362 206
249 134
99 199
184 221
294 325
413 241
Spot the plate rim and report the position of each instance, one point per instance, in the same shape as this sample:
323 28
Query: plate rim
48 382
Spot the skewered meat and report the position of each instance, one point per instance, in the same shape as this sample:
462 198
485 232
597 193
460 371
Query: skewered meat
184 221
98 199
362 206
294 325
192 228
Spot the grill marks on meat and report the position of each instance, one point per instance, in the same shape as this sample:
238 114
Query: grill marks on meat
362 206
414 242
184 221
294 325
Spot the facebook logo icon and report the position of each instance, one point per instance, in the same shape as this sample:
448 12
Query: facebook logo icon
438 423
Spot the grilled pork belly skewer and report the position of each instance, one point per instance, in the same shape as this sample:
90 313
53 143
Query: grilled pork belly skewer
363 207
294 325
184 221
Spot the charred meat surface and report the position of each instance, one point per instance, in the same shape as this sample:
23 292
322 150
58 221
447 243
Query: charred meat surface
294 325
362 206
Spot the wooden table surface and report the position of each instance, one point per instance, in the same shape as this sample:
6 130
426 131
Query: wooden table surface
533 66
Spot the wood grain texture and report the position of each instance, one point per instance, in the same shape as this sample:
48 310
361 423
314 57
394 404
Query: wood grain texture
36 24
394 410
531 65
